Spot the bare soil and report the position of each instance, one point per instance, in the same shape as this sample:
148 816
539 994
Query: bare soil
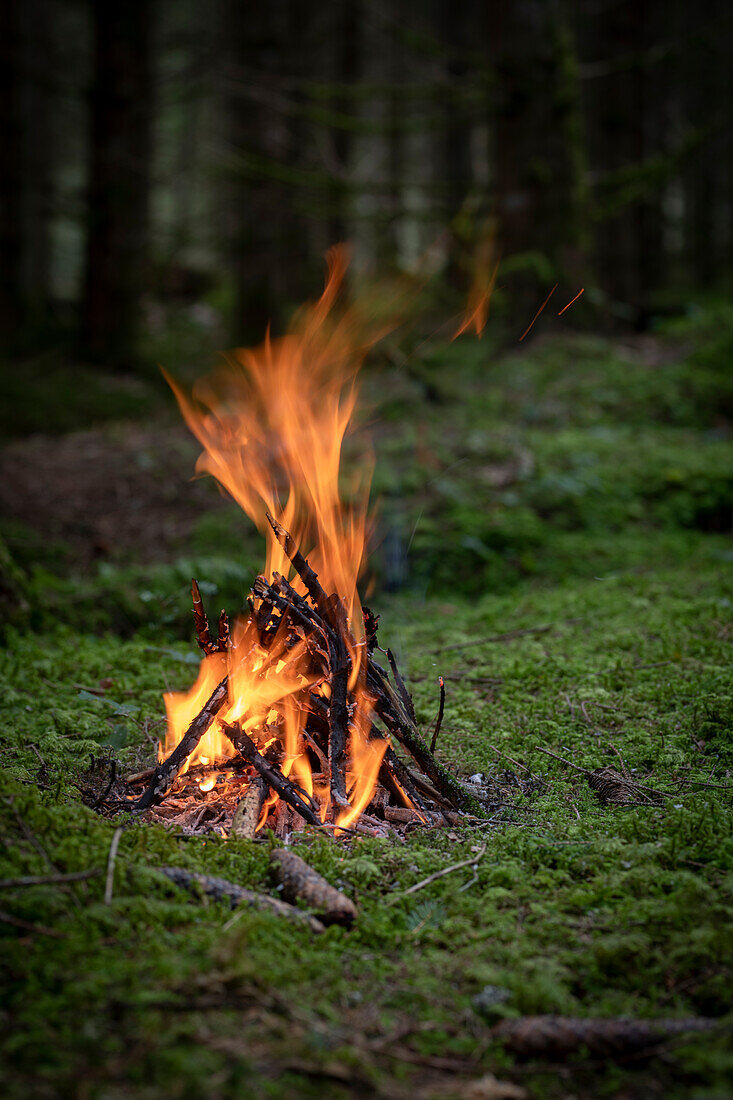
111 492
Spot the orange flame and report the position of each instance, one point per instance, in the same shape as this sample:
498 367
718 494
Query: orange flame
272 422
482 288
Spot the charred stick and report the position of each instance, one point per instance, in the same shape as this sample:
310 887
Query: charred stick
423 784
103 797
404 693
166 772
371 624
222 890
203 635
396 778
300 882
338 713
310 624
308 576
274 778
225 640
439 719
247 814
285 588
554 1038
398 723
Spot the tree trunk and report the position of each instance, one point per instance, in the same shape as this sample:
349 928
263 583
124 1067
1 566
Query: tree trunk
11 181
119 183
539 152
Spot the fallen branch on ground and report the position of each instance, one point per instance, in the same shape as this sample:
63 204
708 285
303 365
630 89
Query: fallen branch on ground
222 890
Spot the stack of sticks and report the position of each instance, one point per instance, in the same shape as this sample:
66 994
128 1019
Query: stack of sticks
413 786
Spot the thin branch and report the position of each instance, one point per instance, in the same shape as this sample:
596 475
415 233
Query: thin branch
445 871
47 880
26 926
111 859
439 719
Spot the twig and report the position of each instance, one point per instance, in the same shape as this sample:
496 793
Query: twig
500 752
112 776
44 880
274 778
18 922
404 693
445 871
165 773
576 767
508 637
439 720
387 705
589 772
203 635
111 859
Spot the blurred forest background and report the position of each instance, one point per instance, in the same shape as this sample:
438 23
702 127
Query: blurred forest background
173 173
175 163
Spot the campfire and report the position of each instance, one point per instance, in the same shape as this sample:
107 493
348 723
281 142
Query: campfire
297 717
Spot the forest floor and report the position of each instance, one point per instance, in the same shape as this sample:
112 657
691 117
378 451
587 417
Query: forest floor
555 541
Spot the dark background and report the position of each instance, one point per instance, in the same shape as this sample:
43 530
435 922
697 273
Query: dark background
185 164
173 174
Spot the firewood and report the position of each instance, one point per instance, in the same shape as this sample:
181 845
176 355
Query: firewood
203 635
403 815
166 772
404 693
308 576
225 640
301 882
247 813
399 724
274 778
553 1038
398 781
338 714
371 625
332 612
222 890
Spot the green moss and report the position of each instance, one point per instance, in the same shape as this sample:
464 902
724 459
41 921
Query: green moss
568 573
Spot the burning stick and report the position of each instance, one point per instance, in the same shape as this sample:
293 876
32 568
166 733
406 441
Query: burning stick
203 635
301 882
396 778
308 576
332 612
224 638
223 890
247 813
338 714
166 772
274 778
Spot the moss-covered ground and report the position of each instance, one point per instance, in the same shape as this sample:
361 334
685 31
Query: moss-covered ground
556 544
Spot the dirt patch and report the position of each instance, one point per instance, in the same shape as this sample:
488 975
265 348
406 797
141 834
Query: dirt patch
112 492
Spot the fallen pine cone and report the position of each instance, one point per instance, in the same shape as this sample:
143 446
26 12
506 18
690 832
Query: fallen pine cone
612 789
553 1038
301 882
